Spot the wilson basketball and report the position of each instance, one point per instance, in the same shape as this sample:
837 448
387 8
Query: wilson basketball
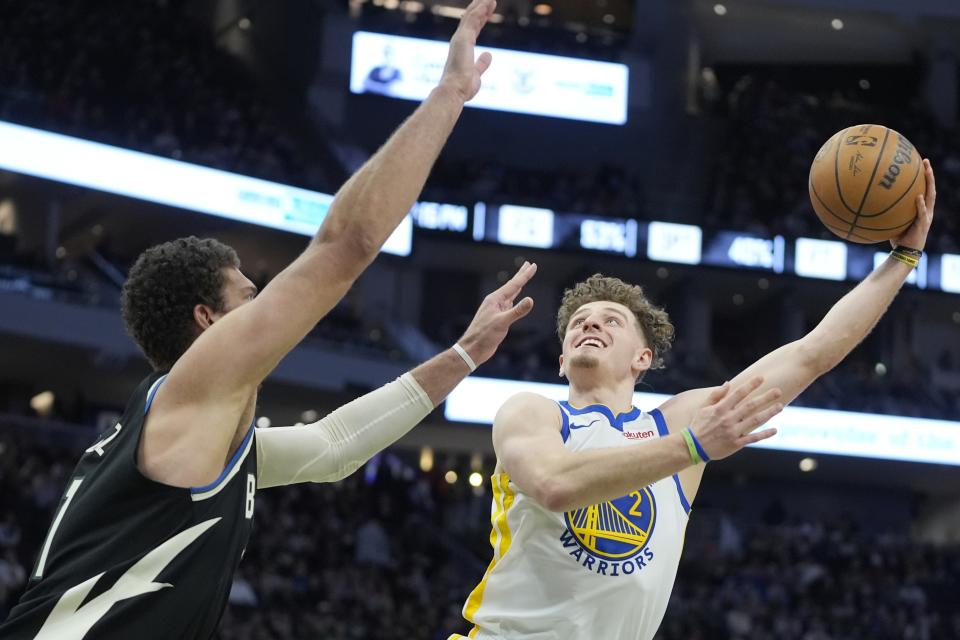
864 183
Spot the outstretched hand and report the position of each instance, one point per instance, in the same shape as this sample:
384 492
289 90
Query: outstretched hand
462 71
915 237
729 420
496 315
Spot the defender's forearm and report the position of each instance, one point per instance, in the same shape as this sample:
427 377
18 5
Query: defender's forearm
336 446
440 375
372 203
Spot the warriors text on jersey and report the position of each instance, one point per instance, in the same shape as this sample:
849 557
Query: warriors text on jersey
603 571
127 557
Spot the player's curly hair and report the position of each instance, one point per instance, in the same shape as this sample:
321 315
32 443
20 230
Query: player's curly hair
652 320
164 285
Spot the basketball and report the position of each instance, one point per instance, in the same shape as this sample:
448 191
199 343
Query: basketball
864 183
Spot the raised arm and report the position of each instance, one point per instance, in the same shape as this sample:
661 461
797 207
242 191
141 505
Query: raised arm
794 366
527 439
336 446
365 211
493 319
212 383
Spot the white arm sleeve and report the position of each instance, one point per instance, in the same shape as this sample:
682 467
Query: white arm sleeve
337 445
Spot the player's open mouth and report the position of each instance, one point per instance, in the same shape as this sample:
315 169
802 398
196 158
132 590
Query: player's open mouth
591 342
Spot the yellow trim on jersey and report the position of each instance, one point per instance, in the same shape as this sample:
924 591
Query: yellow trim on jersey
500 533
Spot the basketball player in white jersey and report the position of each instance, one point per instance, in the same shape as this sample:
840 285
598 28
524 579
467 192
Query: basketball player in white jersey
592 495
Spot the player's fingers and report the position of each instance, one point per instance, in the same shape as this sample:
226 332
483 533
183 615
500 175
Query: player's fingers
471 12
718 393
741 392
931 194
505 319
483 62
759 418
475 16
757 437
756 402
512 287
521 309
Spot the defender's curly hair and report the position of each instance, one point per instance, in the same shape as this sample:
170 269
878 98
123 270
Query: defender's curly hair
164 285
653 320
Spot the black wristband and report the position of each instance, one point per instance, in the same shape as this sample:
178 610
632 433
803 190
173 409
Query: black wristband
909 251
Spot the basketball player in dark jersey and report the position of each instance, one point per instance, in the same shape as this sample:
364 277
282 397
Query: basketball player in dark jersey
157 514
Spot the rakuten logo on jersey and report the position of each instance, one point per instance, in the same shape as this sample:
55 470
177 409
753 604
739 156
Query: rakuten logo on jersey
638 435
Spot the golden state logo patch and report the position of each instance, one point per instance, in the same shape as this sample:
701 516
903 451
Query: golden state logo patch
611 538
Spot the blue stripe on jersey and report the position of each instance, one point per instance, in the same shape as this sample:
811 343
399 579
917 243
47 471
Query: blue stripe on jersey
153 392
664 432
615 421
230 465
683 498
565 427
661 423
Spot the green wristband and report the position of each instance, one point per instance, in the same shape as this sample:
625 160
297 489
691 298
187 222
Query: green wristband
691 447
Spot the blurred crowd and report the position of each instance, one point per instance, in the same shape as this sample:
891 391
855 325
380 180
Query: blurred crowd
383 554
804 579
144 75
393 552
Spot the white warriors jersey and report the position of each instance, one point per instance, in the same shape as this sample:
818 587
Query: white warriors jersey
603 572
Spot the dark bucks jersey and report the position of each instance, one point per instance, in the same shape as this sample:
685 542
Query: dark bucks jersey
127 557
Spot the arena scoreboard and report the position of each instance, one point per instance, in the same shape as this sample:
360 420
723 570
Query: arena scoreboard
689 244
209 191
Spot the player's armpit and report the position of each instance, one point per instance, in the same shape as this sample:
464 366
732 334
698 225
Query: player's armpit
678 413
723 420
337 445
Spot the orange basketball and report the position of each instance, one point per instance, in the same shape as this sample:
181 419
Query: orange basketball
864 183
